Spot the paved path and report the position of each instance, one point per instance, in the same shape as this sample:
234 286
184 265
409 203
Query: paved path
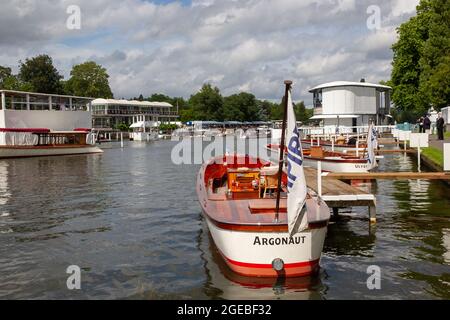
434 142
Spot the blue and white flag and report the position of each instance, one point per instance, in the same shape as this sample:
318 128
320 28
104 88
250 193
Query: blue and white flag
372 144
297 218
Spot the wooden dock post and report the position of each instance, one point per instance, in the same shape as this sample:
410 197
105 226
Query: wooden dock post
335 212
373 214
319 178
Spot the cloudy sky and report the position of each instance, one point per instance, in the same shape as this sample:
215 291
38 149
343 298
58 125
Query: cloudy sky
173 47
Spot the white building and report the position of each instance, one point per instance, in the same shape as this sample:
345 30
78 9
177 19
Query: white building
38 110
108 113
351 104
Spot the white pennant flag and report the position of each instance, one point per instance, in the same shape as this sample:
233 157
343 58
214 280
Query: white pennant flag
372 144
297 218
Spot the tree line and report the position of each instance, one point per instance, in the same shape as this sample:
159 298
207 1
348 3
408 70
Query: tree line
421 64
89 79
208 104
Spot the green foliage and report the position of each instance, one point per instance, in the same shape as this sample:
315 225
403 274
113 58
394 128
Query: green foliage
435 55
158 97
421 65
167 127
40 75
207 104
301 113
5 73
123 127
90 80
241 107
276 111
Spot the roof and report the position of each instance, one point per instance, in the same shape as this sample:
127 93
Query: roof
131 103
349 84
44 94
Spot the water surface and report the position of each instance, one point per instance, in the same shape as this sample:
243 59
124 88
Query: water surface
130 219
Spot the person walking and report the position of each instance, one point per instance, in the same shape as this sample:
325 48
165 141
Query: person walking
427 124
440 126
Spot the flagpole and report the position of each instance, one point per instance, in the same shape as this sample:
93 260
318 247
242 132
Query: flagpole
288 84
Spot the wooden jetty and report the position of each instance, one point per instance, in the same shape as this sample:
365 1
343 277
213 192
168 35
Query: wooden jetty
386 175
338 194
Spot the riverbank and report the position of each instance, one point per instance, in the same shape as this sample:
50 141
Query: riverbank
433 156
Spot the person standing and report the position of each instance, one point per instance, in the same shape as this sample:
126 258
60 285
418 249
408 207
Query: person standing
420 123
427 124
440 126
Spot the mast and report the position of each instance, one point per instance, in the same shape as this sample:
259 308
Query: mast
288 84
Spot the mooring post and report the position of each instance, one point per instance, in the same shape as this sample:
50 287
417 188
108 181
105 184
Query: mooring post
335 212
121 139
319 178
418 159
332 143
373 214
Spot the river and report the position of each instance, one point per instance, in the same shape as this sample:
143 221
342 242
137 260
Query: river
129 218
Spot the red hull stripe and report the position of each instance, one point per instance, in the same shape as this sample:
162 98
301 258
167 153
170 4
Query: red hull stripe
269 266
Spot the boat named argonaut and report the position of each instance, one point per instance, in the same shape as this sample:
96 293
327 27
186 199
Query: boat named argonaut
278 241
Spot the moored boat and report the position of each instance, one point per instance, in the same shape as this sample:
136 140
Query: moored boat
263 220
337 146
37 142
331 161
237 198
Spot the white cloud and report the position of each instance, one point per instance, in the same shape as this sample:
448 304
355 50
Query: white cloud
237 45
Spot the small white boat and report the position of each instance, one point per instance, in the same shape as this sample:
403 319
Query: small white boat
330 161
334 146
29 142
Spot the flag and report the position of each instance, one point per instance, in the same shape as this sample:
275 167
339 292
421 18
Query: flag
296 186
372 143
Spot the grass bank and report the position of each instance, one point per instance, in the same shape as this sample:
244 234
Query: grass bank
435 155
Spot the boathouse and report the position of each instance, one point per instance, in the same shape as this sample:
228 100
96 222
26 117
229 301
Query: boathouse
108 113
351 104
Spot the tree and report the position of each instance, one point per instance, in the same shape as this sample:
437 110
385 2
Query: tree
89 79
40 74
207 104
159 97
241 107
421 65
5 73
264 109
301 113
405 78
435 55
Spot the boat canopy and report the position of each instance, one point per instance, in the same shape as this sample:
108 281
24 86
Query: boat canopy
147 124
